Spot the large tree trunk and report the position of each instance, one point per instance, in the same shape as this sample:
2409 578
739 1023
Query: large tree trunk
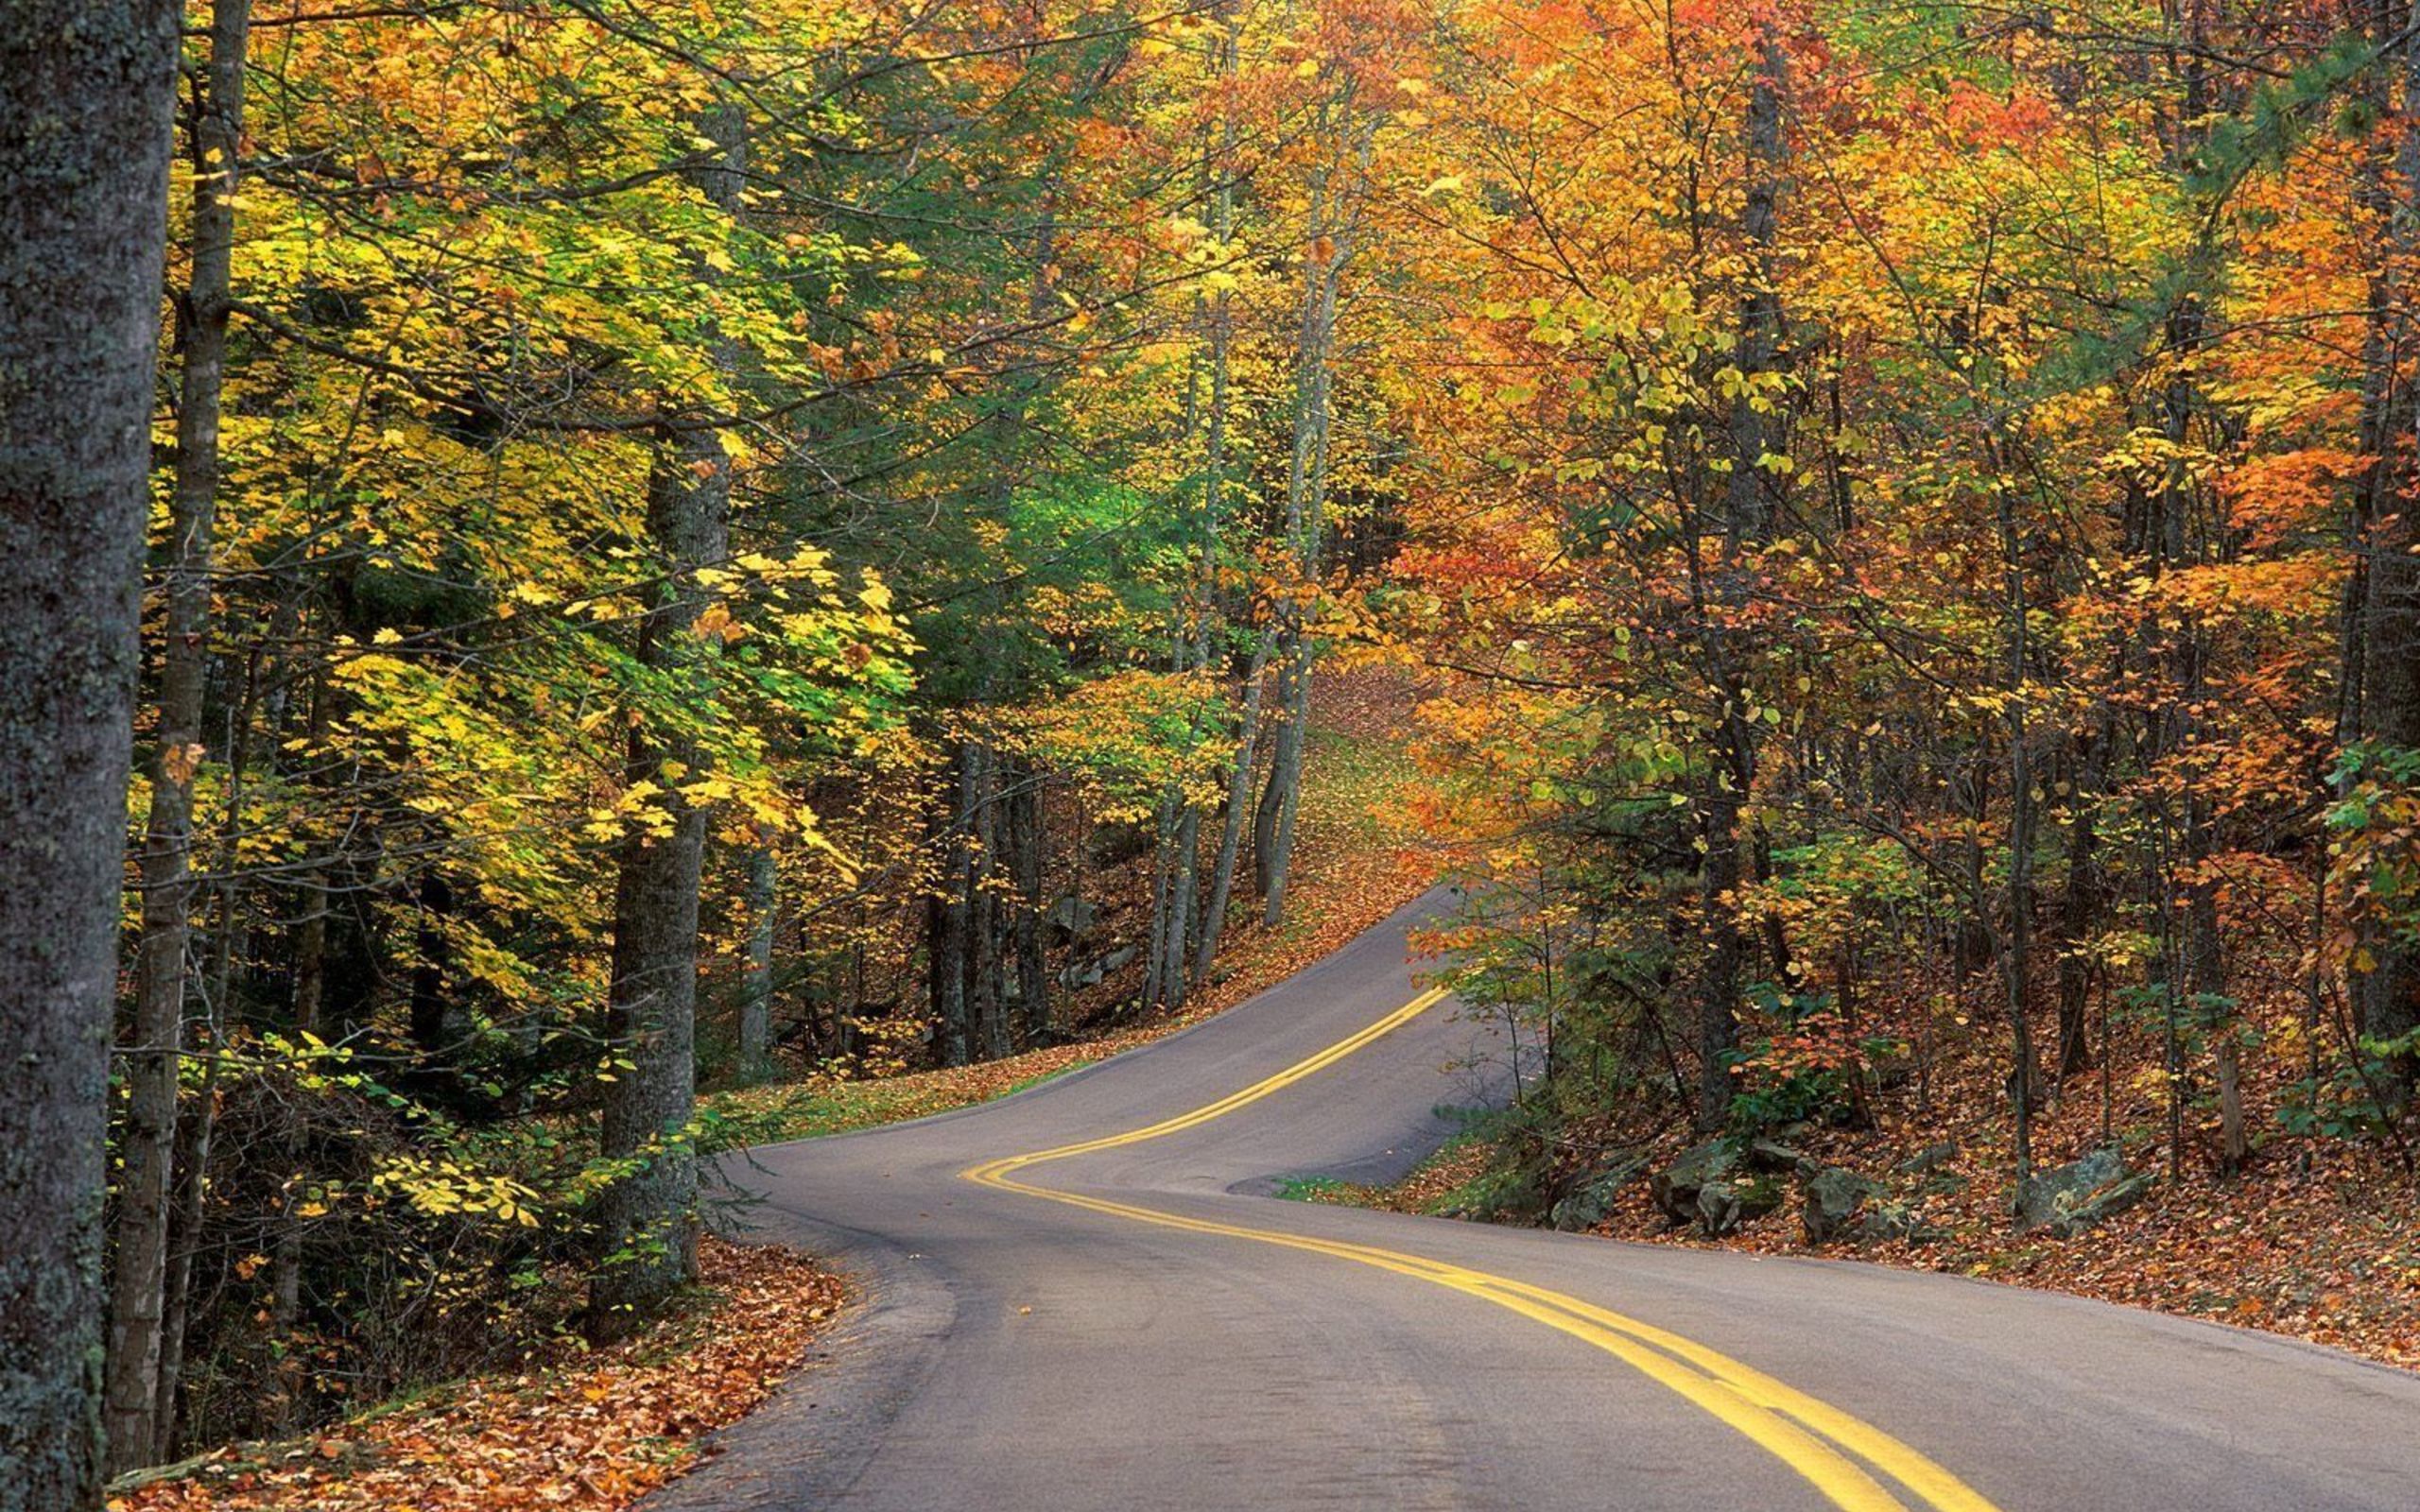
146 1142
651 1012
1026 841
646 1217
1724 948
1749 511
87 100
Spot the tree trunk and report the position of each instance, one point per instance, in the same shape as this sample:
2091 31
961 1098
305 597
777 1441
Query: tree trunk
645 1216
646 1220
193 1179
146 1143
1223 874
946 918
87 100
1724 948
1026 837
2389 649
1306 510
2080 906
2017 957
1749 511
987 979
756 981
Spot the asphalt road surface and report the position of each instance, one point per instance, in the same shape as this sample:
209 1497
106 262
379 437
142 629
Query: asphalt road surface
1132 1322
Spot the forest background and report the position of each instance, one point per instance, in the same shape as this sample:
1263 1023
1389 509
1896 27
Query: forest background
717 544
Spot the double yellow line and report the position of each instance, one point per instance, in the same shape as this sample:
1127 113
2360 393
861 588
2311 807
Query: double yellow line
1839 1455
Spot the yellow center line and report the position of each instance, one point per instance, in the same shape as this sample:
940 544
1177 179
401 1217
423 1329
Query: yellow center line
1818 1441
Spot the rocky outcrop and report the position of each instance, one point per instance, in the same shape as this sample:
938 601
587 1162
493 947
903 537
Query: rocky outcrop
1676 1187
1832 1201
2068 1199
1589 1202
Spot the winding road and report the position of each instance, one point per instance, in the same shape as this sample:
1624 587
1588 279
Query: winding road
1083 1297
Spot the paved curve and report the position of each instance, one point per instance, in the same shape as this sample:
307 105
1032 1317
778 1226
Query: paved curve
1134 1325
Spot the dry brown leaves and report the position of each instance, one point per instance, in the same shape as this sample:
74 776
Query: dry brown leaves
2319 1240
585 1432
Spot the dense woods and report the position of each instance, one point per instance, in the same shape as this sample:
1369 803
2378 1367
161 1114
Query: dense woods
692 544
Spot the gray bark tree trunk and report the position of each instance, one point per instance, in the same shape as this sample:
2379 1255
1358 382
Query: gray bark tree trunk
1306 478
146 1143
644 1218
87 101
947 918
1231 833
1027 839
756 983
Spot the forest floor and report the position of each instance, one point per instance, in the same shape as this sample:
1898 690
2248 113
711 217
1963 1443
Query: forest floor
1357 861
2319 1239
594 1431
576 1430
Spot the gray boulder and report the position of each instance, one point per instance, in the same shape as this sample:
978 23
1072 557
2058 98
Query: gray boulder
1885 1221
1117 843
1772 1155
1676 1187
1072 918
1590 1200
1831 1201
2068 1199
1931 1158
1718 1209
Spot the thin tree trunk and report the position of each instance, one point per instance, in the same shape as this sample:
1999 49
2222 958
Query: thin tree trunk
1306 509
193 1168
2017 955
1231 833
87 103
946 921
146 1143
756 983
2080 906
2389 994
987 918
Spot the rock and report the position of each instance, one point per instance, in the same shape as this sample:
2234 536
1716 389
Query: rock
1113 844
1886 1221
1079 975
1831 1201
2068 1199
1588 1201
1931 1158
1772 1155
1120 958
1759 1196
1071 918
1717 1209
1675 1188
